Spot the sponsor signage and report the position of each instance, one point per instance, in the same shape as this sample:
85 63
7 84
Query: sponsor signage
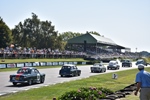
70 62
65 62
28 64
61 63
20 64
35 63
31 64
49 63
75 63
55 63
2 65
43 63
11 65
83 63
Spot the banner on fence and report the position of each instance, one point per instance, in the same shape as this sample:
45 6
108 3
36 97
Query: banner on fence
83 63
70 62
28 64
32 64
35 63
43 63
2 65
61 63
75 63
65 63
20 64
11 65
49 63
55 63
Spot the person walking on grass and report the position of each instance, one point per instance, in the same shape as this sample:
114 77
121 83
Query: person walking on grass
143 83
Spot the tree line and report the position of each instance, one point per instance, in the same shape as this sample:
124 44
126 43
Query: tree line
35 33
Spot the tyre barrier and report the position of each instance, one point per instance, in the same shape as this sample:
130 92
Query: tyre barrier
121 93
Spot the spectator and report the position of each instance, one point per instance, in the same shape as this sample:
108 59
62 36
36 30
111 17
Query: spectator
143 83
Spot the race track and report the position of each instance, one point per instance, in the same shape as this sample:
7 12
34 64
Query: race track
52 77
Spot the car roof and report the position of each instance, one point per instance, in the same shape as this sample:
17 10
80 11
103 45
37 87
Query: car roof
27 68
112 61
126 59
140 60
97 63
68 65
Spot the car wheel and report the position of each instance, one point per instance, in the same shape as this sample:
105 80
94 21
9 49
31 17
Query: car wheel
42 80
79 74
76 74
30 82
104 70
14 83
73 74
61 75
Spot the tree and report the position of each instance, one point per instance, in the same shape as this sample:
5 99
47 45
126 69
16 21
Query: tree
68 35
60 44
35 33
5 34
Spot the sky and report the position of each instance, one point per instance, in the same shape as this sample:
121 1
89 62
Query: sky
126 22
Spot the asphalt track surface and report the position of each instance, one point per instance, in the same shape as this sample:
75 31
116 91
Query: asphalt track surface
52 77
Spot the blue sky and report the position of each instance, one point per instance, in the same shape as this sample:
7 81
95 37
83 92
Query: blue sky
126 22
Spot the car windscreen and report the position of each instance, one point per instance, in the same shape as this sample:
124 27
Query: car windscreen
97 64
66 67
112 63
126 61
140 61
23 71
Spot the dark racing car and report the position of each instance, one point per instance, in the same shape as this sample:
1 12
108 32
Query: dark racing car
69 70
141 61
27 75
127 63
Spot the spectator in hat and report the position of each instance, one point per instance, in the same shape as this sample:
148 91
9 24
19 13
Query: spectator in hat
143 83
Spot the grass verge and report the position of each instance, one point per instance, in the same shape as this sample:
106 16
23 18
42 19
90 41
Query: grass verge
125 78
39 60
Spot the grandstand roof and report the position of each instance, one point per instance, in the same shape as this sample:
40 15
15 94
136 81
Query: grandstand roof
93 39
103 40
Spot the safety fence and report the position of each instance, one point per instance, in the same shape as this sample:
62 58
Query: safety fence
35 64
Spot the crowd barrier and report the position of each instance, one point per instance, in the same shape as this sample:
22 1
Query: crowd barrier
35 64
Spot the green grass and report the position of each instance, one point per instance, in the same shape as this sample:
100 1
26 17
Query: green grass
125 78
39 60
147 59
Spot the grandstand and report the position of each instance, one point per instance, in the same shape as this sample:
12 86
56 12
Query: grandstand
97 46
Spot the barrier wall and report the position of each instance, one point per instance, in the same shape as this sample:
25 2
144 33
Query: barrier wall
34 64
